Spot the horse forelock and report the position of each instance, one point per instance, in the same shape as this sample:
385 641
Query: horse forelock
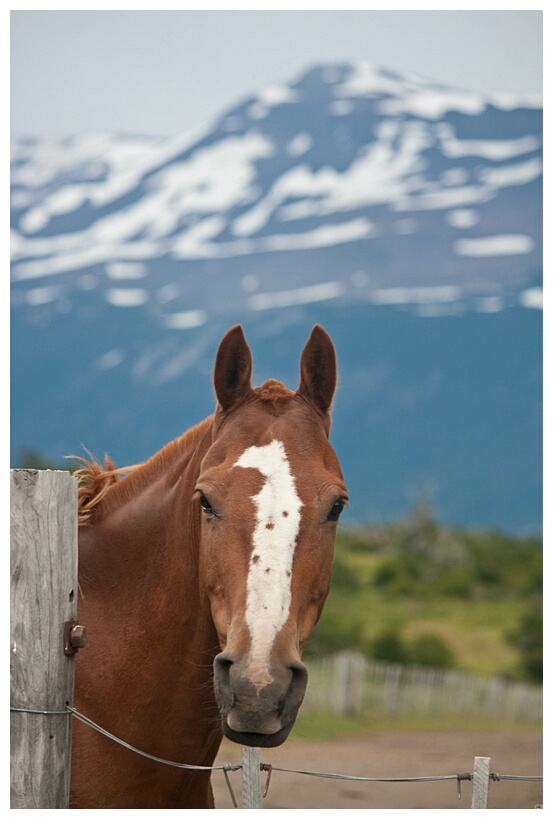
273 392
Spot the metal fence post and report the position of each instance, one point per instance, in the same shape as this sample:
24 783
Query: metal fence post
251 773
43 597
481 782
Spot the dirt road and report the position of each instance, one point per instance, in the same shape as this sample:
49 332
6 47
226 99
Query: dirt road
392 754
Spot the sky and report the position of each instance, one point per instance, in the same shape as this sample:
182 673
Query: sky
159 73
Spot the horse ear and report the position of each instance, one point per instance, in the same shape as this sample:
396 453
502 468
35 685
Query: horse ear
233 369
318 369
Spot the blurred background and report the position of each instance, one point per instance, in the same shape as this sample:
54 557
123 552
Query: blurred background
380 173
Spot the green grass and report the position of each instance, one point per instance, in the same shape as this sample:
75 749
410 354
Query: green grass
327 726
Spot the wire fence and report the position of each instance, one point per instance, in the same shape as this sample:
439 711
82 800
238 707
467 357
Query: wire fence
252 767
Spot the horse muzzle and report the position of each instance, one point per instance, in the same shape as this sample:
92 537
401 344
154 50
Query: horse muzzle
258 711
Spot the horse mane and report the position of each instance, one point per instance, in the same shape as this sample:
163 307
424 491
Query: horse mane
107 486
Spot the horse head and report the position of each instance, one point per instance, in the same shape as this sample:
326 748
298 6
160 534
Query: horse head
270 490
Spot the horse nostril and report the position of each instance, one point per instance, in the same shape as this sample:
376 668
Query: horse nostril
223 663
221 677
298 683
299 672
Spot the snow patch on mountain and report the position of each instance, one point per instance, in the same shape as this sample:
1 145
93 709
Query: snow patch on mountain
300 295
126 297
508 245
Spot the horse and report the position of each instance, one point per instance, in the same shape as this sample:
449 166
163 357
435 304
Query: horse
202 573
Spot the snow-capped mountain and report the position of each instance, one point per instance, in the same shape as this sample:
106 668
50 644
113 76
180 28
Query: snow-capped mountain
352 196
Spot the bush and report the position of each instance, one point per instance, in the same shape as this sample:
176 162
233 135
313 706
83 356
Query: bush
431 650
403 574
386 574
389 647
456 583
29 458
528 639
343 577
334 632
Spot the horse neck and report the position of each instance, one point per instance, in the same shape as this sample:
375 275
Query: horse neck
141 556
151 639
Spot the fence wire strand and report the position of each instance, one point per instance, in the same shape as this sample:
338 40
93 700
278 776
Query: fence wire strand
227 768
122 742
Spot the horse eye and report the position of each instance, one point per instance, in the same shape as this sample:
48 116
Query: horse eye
336 510
205 504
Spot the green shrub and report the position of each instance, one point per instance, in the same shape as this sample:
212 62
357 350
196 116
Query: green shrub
528 639
334 632
456 583
431 650
389 647
29 458
404 574
386 574
343 577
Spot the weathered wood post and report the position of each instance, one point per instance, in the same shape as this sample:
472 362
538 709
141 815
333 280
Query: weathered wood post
481 782
43 599
251 775
349 670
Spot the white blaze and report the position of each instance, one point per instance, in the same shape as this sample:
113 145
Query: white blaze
274 542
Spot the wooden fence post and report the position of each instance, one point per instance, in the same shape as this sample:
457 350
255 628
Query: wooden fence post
251 773
349 672
481 782
43 597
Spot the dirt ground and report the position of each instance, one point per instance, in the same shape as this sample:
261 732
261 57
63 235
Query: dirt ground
392 754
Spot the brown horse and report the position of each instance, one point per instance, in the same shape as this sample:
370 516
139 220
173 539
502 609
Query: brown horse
202 573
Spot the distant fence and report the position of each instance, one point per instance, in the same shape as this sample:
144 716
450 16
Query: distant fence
348 683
